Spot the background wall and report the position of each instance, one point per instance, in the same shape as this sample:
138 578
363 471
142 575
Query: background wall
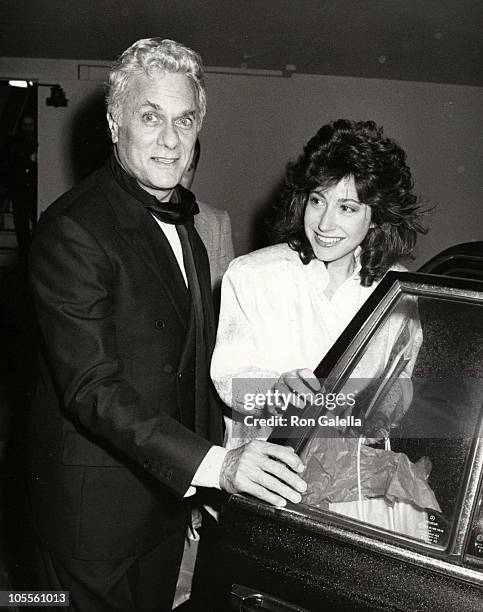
256 123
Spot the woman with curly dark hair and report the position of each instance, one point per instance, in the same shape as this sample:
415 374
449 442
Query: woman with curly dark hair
371 166
347 215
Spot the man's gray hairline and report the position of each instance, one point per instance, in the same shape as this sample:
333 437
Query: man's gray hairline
123 73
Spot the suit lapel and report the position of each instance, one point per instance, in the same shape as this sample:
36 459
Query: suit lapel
205 289
140 231
203 273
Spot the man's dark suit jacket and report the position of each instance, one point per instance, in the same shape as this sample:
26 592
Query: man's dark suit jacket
112 452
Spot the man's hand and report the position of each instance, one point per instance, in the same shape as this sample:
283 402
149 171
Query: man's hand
293 387
264 470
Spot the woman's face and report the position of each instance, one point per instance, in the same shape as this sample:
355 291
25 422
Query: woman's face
336 222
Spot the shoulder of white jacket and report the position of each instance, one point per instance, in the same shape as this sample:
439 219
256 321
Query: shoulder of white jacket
268 259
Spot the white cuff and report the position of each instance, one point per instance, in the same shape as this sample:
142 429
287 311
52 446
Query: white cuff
208 472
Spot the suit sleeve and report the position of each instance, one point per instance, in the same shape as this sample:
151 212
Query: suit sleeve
72 282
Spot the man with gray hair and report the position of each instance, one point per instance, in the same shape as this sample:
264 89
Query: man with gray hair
125 425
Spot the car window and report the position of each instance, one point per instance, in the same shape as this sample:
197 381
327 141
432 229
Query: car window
396 452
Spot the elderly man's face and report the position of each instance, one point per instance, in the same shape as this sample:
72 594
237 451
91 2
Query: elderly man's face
156 131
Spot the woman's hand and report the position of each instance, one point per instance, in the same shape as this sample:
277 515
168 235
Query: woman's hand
295 388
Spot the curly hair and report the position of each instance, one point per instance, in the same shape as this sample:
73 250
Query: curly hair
383 181
147 56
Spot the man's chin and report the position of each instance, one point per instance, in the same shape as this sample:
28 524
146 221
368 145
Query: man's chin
159 190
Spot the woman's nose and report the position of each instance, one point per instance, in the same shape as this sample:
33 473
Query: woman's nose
327 220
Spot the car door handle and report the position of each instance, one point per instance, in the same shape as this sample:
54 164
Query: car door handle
246 599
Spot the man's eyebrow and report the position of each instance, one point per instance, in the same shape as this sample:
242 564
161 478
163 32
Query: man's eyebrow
189 112
151 104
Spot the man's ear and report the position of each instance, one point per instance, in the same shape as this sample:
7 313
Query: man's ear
113 128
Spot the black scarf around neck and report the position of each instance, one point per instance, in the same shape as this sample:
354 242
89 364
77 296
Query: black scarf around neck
178 211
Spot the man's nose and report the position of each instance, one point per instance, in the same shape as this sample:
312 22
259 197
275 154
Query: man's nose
168 136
